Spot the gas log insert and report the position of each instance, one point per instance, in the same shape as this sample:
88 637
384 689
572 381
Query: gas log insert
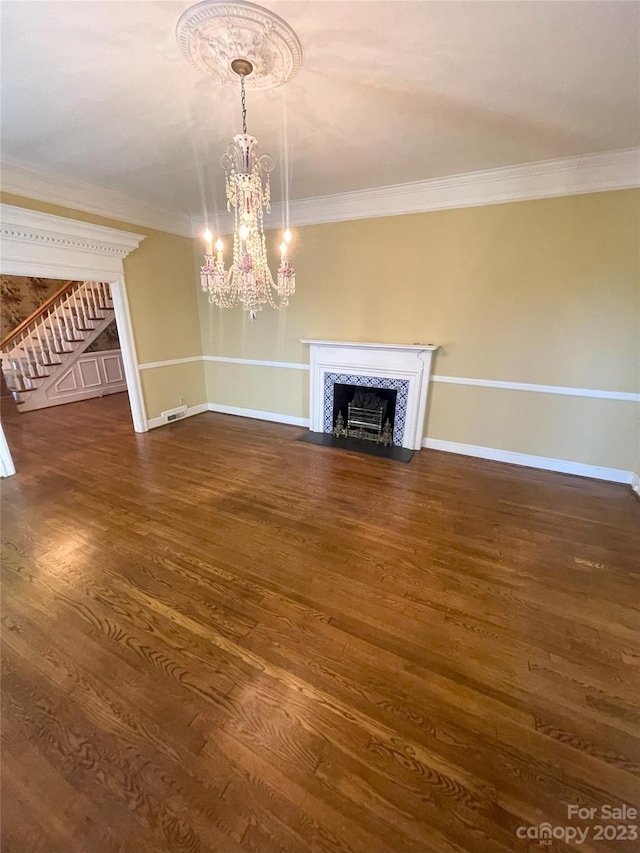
365 413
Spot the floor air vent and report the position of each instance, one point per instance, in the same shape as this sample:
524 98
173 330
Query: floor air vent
174 414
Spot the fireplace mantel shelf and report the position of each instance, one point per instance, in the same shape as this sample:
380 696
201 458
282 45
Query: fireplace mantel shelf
363 345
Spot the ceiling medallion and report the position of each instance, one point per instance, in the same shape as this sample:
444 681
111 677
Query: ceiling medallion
212 34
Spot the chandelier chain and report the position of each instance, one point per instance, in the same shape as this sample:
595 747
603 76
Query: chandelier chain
244 104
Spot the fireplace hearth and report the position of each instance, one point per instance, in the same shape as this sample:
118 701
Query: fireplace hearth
355 445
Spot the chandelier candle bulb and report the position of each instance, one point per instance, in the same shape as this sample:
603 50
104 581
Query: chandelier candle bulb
219 249
208 236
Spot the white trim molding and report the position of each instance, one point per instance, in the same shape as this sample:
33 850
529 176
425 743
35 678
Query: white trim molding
26 181
40 244
258 415
587 173
191 410
150 365
68 246
7 468
540 389
635 484
291 365
614 475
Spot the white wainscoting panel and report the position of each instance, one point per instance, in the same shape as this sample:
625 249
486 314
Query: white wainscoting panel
93 374
112 369
89 372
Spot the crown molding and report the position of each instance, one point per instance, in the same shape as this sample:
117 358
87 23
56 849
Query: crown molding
77 195
588 173
612 170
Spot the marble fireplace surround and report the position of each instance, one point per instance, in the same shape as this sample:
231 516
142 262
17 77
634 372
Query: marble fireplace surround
403 367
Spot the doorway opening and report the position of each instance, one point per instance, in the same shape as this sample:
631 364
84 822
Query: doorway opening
59 342
87 260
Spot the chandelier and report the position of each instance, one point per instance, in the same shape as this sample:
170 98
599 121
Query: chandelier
248 279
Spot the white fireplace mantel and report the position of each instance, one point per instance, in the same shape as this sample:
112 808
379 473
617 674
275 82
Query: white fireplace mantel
407 367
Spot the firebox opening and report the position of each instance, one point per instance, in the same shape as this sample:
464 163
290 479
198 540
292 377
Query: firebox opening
363 412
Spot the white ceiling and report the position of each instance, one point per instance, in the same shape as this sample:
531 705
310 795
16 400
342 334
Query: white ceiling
388 92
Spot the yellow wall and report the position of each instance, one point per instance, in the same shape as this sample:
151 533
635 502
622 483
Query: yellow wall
265 389
163 305
543 292
171 385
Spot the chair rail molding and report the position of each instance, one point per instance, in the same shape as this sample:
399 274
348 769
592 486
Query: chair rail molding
48 246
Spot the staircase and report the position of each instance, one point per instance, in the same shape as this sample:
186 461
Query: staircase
43 346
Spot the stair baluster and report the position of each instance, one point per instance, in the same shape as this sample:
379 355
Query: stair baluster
82 311
58 322
96 300
43 354
56 343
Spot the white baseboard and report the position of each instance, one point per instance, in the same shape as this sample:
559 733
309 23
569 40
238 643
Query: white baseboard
635 484
152 423
258 415
614 475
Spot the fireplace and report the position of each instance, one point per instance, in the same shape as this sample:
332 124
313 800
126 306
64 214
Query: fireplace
401 368
364 413
340 389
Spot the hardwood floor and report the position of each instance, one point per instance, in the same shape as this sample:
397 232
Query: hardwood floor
217 638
